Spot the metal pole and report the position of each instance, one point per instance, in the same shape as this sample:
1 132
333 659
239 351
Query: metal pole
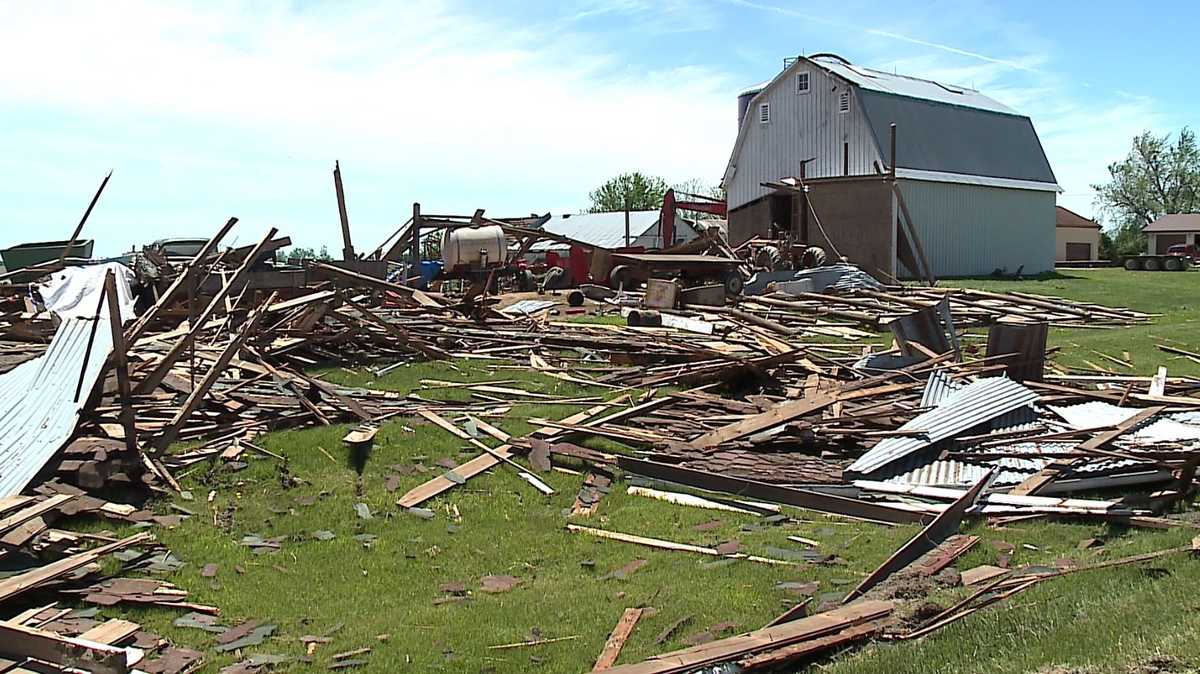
416 241
660 225
892 159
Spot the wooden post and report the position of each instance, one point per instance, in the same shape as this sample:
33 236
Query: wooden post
803 211
660 225
416 241
119 361
79 227
347 246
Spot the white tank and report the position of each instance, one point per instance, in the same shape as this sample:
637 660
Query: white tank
474 247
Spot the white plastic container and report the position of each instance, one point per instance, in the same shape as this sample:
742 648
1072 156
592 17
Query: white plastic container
474 247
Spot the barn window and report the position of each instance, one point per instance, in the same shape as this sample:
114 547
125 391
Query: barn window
802 83
764 113
844 101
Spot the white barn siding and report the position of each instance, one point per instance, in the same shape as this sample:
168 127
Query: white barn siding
801 126
971 230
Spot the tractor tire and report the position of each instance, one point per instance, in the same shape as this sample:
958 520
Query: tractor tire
556 279
813 257
1152 264
768 258
1173 264
734 283
1133 264
621 277
525 281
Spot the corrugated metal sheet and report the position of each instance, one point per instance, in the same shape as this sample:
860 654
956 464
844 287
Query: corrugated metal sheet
1097 413
608 229
38 410
931 136
802 126
972 405
971 230
938 387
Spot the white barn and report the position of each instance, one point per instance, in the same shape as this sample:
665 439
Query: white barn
971 171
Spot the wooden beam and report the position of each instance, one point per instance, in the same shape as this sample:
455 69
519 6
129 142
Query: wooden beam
616 640
120 362
171 430
164 366
74 652
347 246
178 284
23 582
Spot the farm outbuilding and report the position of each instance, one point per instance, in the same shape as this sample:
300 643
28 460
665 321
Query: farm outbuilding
1076 238
1172 229
970 171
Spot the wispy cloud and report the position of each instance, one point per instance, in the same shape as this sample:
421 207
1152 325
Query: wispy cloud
415 96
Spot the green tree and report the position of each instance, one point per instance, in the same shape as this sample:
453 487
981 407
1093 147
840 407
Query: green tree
1155 178
635 191
307 253
698 186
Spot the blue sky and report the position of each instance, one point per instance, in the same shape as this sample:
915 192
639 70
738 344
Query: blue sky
220 109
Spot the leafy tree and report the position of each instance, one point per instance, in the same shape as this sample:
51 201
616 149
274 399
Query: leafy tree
635 191
698 186
1155 178
307 253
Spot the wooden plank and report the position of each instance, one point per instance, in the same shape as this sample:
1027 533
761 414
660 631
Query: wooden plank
927 539
15 585
120 362
36 510
787 412
762 640
171 431
671 545
89 656
428 350
111 631
616 640
483 462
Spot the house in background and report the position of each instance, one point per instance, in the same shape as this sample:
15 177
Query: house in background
972 172
1169 230
1076 237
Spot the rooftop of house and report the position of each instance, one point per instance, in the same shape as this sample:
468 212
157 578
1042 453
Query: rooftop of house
1175 222
1068 218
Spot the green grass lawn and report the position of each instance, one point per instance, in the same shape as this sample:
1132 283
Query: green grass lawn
382 595
1175 295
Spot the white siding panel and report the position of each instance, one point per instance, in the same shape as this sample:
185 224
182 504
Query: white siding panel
971 230
802 126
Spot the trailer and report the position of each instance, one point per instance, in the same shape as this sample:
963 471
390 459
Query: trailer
630 270
1167 262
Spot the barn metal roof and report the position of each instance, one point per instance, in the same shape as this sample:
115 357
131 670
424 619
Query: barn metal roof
933 136
38 409
607 229
949 132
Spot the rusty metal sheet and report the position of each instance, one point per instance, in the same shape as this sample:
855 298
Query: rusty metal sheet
38 407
